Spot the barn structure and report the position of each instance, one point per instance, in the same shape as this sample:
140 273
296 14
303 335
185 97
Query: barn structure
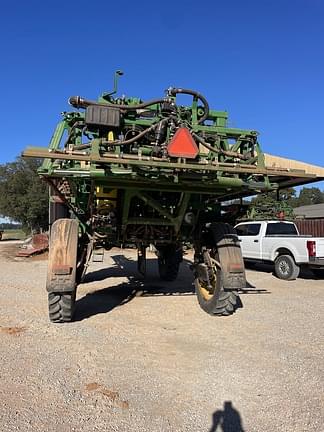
310 219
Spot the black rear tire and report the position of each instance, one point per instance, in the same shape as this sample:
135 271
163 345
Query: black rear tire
286 268
169 261
61 281
221 303
61 306
213 298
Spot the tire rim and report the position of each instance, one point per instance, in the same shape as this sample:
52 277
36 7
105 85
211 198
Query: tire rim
284 267
207 292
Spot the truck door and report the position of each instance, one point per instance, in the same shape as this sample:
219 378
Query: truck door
249 234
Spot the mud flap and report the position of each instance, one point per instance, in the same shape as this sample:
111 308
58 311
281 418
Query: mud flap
62 260
229 256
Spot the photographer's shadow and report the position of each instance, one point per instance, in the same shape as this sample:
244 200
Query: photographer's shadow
227 419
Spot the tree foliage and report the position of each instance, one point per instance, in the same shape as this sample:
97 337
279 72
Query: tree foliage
307 196
23 195
288 195
310 196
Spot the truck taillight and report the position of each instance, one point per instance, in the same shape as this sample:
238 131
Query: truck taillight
311 247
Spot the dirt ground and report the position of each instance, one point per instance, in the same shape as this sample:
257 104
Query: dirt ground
142 355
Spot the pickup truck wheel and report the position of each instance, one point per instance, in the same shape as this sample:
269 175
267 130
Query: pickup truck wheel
286 268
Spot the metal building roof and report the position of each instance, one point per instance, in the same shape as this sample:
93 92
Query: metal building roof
314 211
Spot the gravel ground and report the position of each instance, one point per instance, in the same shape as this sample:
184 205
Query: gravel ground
142 356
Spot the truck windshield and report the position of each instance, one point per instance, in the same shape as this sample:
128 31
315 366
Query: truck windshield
281 228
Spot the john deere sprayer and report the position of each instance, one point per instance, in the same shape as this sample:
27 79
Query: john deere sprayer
123 171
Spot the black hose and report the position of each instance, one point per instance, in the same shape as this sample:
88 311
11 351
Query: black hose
136 137
204 143
219 150
174 91
79 102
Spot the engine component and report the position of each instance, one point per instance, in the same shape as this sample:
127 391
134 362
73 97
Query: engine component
102 116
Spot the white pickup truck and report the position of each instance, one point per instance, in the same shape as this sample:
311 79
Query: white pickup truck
279 242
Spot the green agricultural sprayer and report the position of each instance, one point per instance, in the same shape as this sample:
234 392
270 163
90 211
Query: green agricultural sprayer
123 171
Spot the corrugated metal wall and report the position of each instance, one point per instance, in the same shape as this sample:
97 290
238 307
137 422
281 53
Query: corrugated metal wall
315 227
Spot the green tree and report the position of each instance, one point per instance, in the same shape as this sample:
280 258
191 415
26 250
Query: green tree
272 204
23 196
308 196
267 199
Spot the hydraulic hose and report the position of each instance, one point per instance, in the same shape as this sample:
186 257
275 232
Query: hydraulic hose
136 137
174 91
204 143
213 149
79 102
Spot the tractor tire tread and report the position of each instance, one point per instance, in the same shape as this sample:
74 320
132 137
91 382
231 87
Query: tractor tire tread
169 265
226 305
61 306
228 301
